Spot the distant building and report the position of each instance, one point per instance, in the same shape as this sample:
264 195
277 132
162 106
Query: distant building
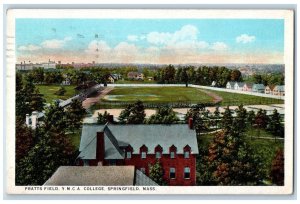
239 86
99 176
279 90
269 89
135 76
150 78
31 66
174 146
213 83
230 85
258 88
247 87
34 119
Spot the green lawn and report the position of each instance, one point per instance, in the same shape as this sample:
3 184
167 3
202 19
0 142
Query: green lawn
156 94
232 99
49 92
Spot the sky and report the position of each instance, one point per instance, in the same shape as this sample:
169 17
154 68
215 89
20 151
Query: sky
154 41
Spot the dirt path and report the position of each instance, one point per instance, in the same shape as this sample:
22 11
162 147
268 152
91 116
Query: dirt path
216 98
91 101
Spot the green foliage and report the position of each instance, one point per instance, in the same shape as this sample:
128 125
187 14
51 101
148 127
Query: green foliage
275 126
156 173
230 161
261 119
28 98
102 118
24 139
51 151
61 91
197 113
133 114
163 115
74 115
277 169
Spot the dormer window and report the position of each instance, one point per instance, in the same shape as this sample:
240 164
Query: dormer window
143 155
143 151
128 155
173 151
186 154
158 151
172 155
128 151
186 151
158 155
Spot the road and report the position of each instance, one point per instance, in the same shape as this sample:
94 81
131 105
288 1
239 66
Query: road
88 102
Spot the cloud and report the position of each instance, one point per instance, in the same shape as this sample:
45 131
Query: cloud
244 38
186 33
132 38
29 47
219 46
98 46
55 43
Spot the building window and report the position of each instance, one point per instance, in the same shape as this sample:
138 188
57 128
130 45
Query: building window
186 154
172 155
187 173
172 173
158 155
143 170
143 155
128 155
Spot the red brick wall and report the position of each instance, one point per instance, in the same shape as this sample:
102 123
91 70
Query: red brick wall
178 163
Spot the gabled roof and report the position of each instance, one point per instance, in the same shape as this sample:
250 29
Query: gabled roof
117 136
142 180
248 85
92 176
231 83
279 88
258 86
240 84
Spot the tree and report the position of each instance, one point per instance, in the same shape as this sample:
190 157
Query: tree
51 151
240 119
163 115
231 161
61 91
24 139
261 120
102 118
236 75
197 114
184 77
55 118
251 118
277 169
156 173
133 113
275 126
227 120
74 114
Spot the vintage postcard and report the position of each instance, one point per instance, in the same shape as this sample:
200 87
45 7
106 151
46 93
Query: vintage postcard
116 101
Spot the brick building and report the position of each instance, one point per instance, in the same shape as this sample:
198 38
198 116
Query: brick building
174 146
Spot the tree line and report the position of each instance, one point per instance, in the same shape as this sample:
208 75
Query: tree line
40 151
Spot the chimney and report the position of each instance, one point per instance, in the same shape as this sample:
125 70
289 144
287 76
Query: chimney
100 149
110 119
191 123
34 119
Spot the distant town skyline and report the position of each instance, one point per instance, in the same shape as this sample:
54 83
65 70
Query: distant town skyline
151 41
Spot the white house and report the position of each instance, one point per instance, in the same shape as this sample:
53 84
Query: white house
239 86
279 90
230 85
34 119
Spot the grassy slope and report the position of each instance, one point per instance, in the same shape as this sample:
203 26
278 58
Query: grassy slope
157 94
237 99
49 92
